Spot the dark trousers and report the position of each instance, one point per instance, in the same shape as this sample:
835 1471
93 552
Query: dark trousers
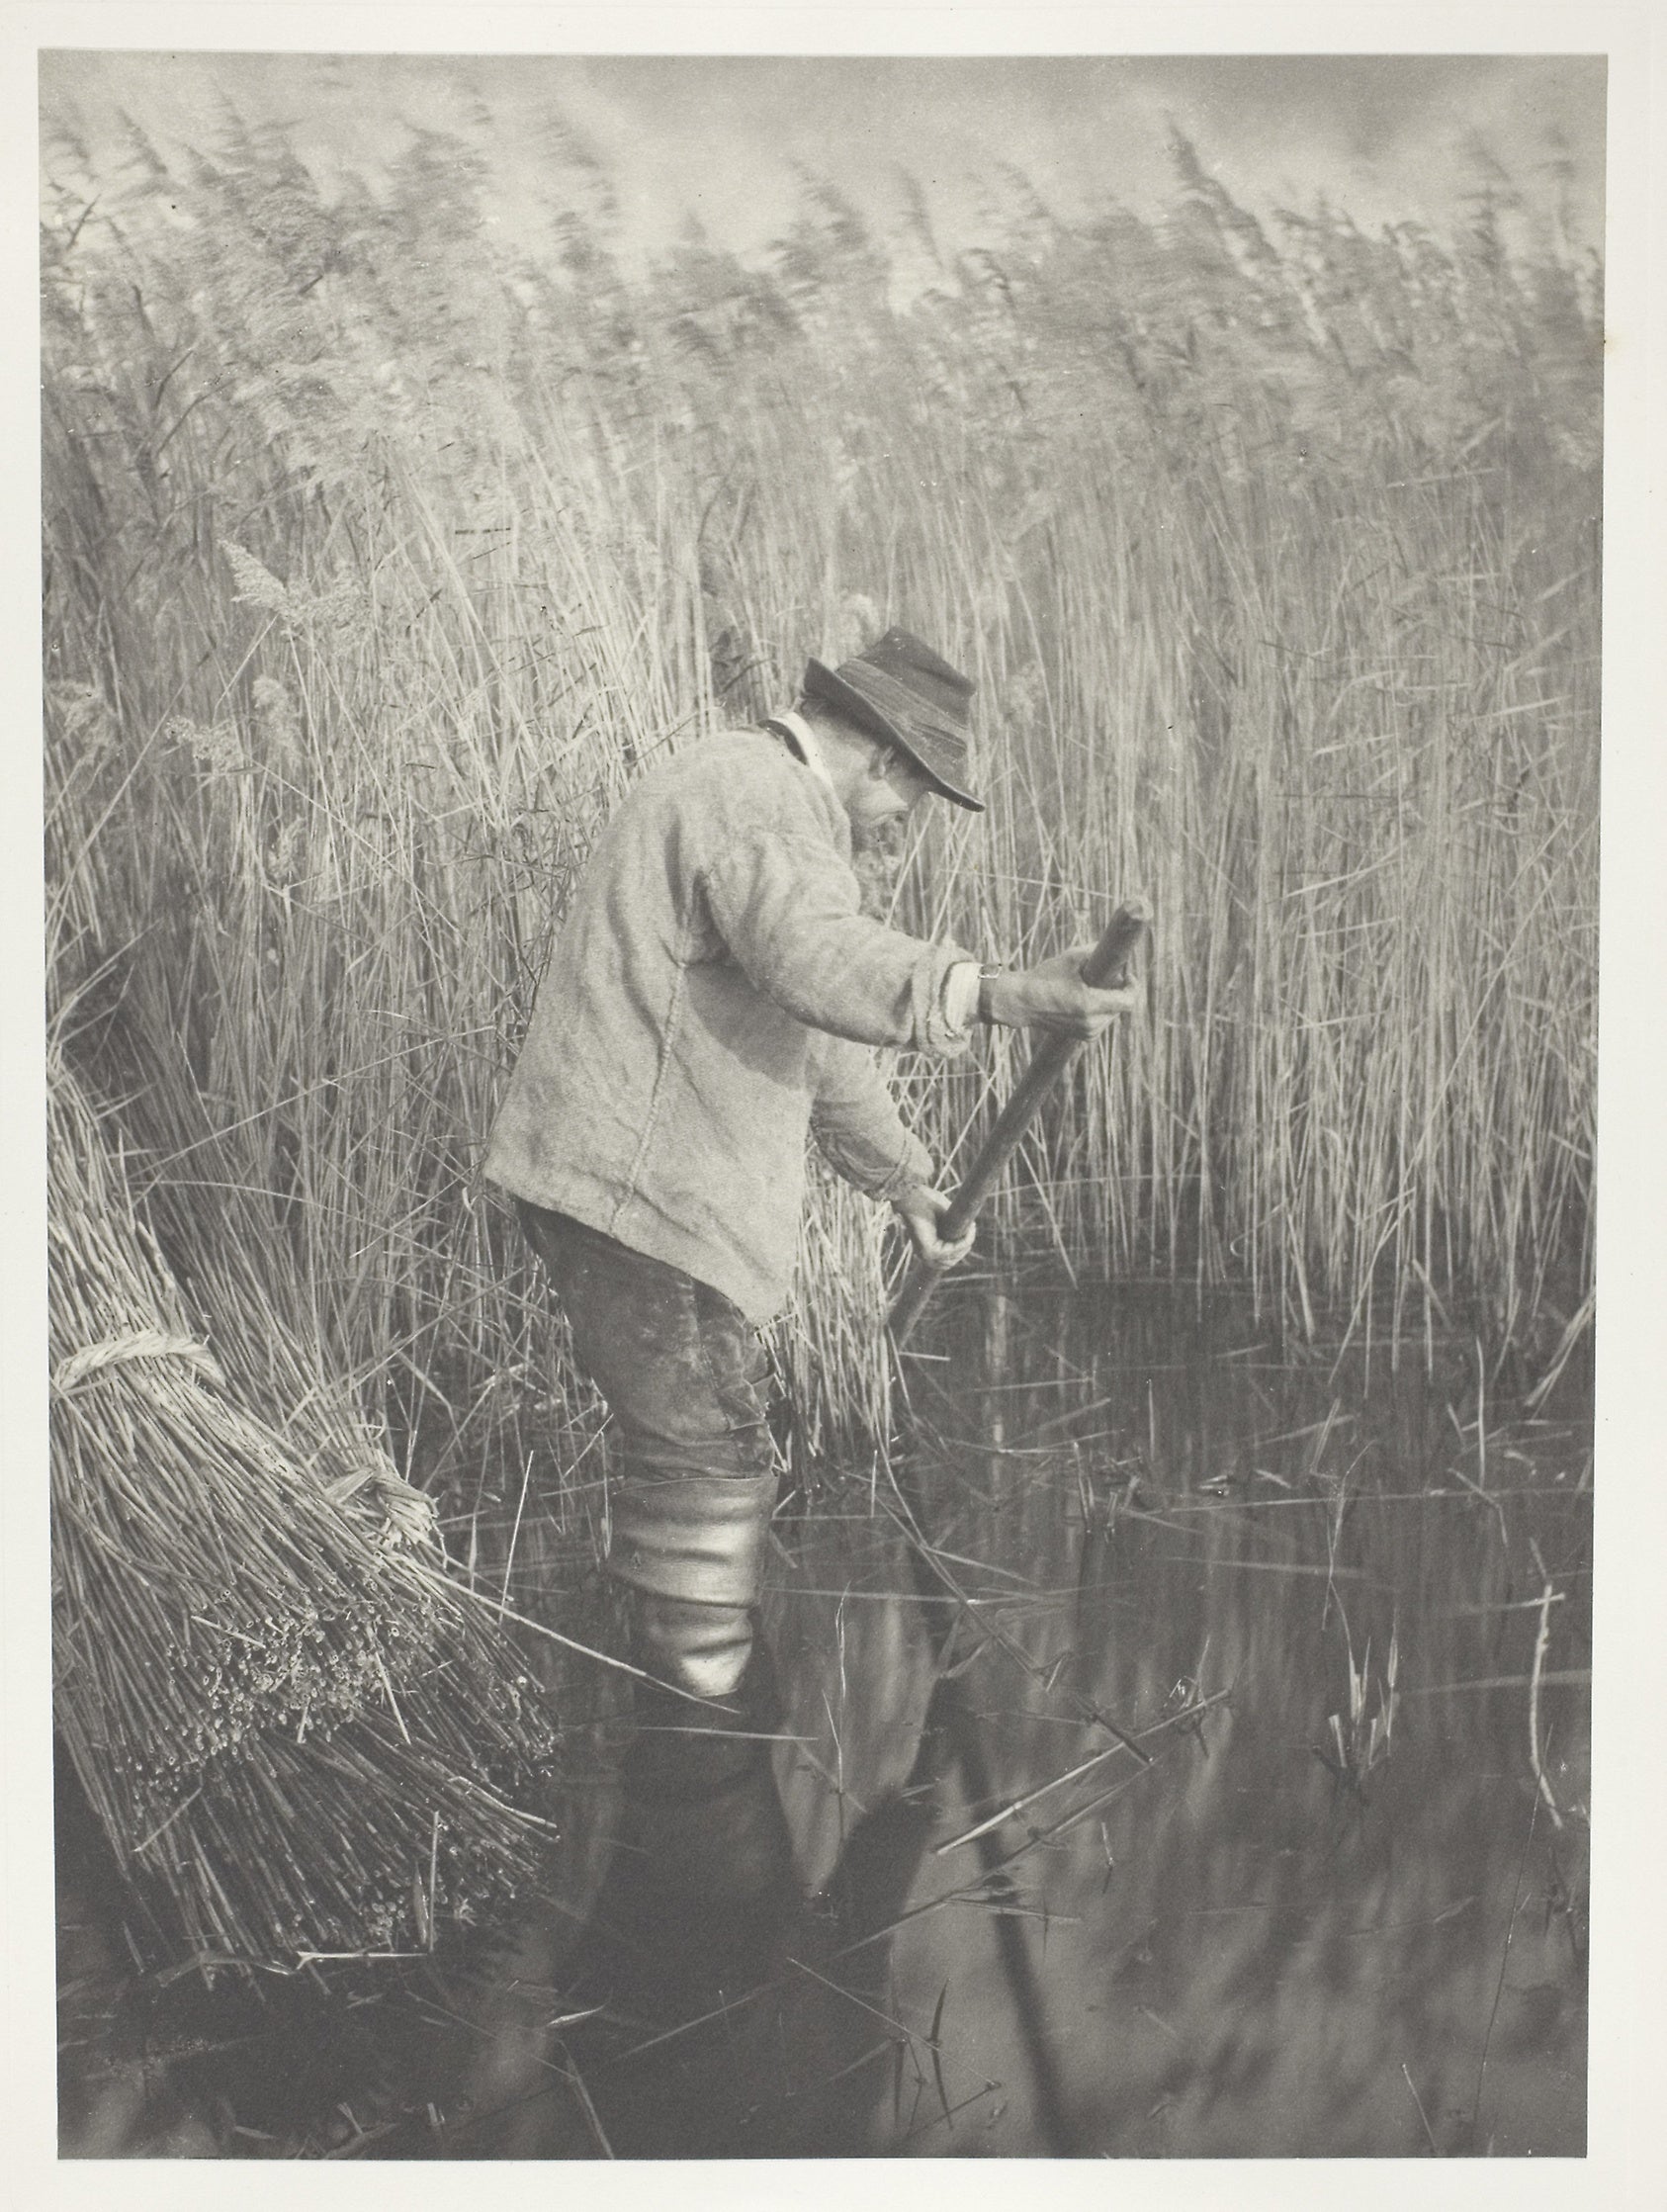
693 1481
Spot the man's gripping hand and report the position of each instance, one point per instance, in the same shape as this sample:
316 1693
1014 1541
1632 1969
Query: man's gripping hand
1053 997
920 1209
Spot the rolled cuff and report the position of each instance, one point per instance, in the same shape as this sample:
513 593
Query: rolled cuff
933 985
699 1538
913 1172
960 994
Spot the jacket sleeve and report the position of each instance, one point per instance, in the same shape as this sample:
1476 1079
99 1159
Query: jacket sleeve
857 1128
787 906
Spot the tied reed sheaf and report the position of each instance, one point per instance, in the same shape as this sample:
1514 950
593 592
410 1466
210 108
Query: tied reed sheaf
295 1732
385 545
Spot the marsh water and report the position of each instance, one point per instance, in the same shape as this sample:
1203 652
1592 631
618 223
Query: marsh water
1332 1902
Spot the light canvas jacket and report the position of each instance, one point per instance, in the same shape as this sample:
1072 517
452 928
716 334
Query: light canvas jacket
712 999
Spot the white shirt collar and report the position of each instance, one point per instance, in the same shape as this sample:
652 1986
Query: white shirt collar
804 738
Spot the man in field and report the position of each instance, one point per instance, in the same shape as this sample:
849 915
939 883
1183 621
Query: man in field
712 1000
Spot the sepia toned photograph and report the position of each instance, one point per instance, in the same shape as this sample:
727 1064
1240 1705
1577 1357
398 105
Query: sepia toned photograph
822 894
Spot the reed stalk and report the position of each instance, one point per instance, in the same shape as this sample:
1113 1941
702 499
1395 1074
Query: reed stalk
381 556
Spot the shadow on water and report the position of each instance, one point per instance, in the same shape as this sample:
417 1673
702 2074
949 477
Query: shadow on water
927 1902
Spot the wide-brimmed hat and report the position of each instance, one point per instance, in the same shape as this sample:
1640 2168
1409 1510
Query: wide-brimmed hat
901 690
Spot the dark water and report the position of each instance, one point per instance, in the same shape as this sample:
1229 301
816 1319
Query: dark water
1338 1912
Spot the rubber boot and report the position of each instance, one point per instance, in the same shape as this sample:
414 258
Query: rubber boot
696 1538
703 1826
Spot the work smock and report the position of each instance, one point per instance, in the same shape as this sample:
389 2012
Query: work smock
713 999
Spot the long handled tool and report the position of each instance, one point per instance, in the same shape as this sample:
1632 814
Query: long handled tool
1104 966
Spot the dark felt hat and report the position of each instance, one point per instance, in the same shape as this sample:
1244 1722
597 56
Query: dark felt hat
902 691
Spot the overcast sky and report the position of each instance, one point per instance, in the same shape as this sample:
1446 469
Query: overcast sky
1384 137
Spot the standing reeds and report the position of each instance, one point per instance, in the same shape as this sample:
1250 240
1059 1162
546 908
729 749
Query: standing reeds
379 561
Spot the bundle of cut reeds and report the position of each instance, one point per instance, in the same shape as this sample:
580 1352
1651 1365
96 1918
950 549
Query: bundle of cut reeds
297 1734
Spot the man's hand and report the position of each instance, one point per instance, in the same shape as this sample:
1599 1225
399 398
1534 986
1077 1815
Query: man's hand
1054 998
919 1211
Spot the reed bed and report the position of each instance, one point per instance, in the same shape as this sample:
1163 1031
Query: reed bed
292 1727
381 556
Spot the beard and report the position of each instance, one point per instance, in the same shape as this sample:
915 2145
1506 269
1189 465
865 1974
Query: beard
877 858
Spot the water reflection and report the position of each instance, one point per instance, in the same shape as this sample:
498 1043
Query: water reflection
921 1900
818 1938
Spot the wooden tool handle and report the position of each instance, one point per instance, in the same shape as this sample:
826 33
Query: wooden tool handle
1104 966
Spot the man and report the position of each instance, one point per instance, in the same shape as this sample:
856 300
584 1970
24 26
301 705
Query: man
713 998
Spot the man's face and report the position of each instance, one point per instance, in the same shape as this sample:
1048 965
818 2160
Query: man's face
889 791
